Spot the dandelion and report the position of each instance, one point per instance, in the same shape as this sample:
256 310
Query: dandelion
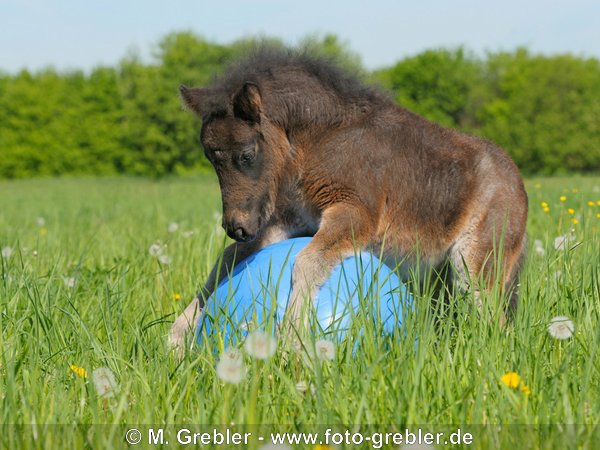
575 221
173 227
591 203
155 249
325 350
539 247
69 282
560 242
322 447
598 215
544 205
260 345
105 383
43 231
79 371
561 328
511 379
165 259
571 211
563 198
232 354
177 296
231 368
40 221
7 252
188 234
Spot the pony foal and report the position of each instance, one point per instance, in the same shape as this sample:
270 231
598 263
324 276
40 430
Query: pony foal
301 148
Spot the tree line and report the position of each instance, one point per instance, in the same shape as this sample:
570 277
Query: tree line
544 110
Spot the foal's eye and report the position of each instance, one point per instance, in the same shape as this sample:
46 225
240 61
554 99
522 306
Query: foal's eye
247 156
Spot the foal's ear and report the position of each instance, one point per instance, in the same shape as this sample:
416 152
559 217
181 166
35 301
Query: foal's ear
247 104
193 98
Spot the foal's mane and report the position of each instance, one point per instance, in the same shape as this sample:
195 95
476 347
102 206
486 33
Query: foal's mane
291 77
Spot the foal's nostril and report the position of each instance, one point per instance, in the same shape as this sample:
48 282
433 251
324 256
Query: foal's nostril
240 234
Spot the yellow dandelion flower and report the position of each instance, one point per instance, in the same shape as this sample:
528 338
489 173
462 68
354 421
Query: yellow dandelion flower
511 379
563 198
546 210
571 211
79 371
591 203
598 215
575 221
525 390
544 204
177 296
322 447
598 203
43 231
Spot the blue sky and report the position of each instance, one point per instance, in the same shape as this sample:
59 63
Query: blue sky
70 34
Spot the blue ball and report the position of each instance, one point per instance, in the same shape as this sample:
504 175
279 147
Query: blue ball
256 293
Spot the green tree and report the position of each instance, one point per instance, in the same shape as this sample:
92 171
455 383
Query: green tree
438 84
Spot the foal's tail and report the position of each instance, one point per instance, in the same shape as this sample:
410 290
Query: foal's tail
512 285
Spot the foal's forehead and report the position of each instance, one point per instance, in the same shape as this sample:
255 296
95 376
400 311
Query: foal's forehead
224 132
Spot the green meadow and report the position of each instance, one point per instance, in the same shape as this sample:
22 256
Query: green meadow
80 290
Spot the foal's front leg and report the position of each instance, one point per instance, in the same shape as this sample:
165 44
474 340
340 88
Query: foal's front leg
233 254
344 230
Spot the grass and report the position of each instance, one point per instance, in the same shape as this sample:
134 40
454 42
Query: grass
80 288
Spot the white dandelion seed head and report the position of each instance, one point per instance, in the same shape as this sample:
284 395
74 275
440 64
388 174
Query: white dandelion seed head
231 370
232 354
539 247
561 327
188 234
173 227
40 221
69 282
260 345
560 242
155 249
35 253
7 252
165 259
105 383
325 350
